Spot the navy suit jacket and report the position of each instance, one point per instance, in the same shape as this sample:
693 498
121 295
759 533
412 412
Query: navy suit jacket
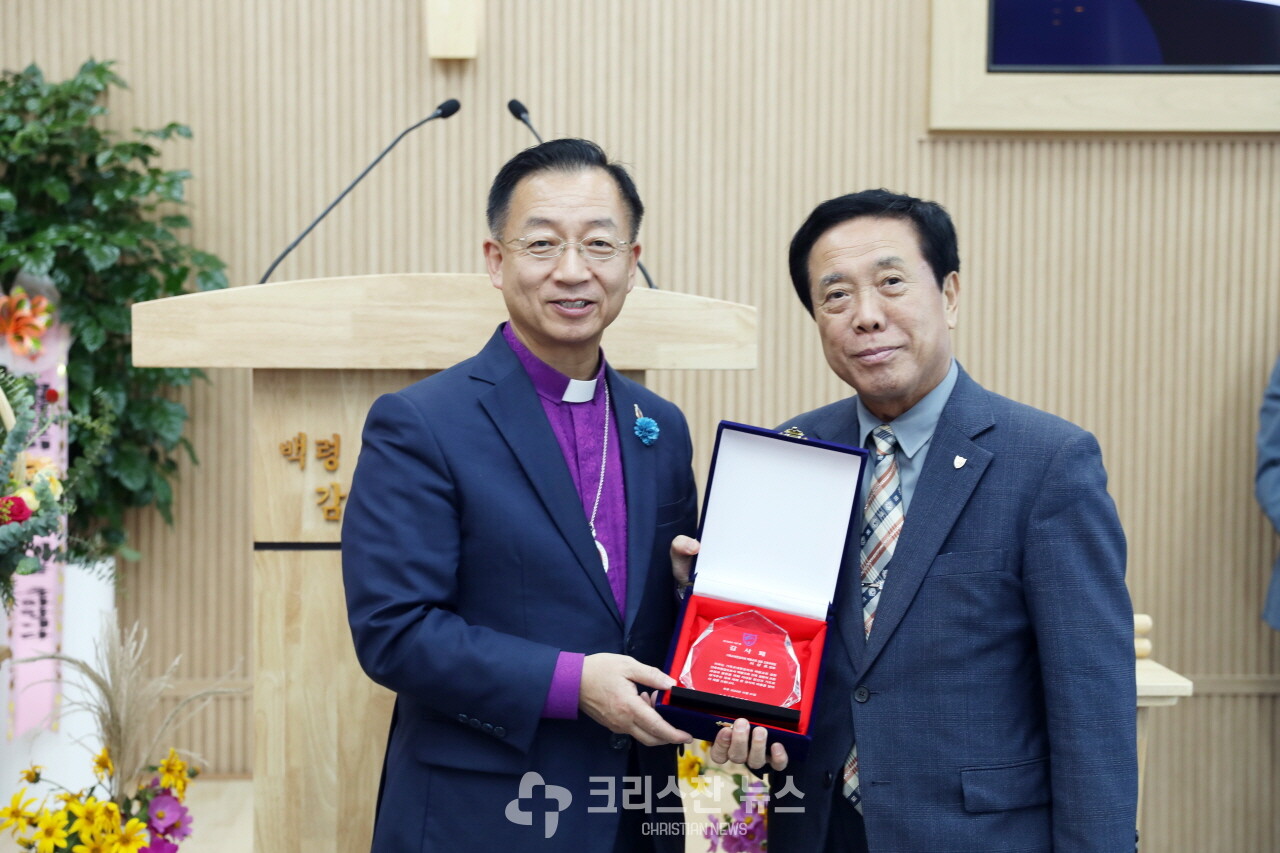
468 566
994 702
1267 483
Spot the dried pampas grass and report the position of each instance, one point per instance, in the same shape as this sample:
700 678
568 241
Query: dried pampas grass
125 704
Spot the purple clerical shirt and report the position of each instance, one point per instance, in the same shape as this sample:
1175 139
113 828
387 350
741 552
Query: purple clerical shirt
576 413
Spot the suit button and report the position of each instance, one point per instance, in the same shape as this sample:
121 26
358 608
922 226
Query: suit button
499 731
474 723
862 694
828 779
488 728
618 741
462 718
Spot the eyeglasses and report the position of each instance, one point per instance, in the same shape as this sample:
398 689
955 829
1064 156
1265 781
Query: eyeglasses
547 246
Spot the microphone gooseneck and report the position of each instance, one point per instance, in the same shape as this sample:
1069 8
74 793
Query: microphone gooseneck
445 110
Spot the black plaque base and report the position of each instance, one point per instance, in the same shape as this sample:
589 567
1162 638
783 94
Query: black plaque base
727 706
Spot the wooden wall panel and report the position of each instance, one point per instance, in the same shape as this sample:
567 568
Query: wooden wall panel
1128 282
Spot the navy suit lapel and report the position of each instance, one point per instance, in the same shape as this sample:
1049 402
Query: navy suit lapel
640 473
940 495
513 406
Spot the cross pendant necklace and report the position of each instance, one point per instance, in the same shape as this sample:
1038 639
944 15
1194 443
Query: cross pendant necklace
604 456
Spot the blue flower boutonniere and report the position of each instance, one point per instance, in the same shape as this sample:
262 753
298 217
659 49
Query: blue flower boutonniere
646 428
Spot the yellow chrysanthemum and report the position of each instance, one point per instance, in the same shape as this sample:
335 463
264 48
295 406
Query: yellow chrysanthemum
39 464
18 813
91 843
87 816
51 832
173 774
108 822
102 766
32 774
132 838
690 766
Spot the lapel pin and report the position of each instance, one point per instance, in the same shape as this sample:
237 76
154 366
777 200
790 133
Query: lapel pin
959 462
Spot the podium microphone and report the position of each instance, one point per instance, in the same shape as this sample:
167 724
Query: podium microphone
521 113
445 110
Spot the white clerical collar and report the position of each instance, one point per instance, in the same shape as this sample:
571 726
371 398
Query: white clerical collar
580 391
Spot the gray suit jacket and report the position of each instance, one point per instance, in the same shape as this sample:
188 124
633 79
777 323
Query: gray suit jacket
994 702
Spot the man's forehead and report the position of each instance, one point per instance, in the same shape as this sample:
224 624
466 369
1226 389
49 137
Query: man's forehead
884 239
588 197
535 220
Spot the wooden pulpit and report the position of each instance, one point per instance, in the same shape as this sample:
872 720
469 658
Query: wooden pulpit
321 351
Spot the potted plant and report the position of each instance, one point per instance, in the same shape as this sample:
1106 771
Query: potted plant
91 214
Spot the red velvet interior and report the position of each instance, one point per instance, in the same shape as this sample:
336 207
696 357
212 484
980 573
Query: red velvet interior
808 636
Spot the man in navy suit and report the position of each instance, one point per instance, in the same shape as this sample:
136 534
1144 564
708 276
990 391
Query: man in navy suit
504 547
990 691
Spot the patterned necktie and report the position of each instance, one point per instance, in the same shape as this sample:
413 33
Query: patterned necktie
884 519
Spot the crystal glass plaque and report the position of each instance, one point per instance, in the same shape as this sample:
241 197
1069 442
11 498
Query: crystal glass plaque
745 656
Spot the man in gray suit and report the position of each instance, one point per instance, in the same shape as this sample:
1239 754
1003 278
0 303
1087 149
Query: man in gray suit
979 692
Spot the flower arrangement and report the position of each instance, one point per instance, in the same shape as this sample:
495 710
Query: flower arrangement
31 506
151 820
740 829
135 806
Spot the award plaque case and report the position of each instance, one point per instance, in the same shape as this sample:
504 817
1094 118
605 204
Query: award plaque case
778 515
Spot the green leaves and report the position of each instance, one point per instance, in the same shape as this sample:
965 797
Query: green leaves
91 336
37 261
132 468
56 188
168 131
101 255
96 213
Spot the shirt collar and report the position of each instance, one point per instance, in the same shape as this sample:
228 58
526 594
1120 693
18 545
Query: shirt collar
549 382
914 427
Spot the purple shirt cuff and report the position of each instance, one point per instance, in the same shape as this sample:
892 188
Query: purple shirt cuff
562 698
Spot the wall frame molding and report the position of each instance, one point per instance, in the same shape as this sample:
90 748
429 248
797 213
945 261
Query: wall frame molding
963 95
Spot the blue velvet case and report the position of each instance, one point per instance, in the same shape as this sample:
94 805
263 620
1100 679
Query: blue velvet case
776 520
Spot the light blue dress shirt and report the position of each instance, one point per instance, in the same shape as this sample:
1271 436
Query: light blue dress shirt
914 429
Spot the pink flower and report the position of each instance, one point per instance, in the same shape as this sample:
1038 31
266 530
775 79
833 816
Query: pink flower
181 827
712 832
164 812
159 845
